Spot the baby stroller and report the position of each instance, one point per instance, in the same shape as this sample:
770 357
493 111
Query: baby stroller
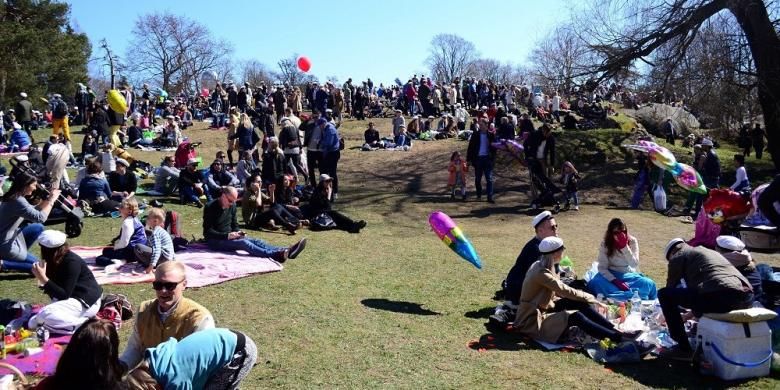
546 188
64 211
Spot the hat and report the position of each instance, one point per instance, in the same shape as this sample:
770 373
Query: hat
170 117
328 110
24 95
192 161
52 239
56 95
398 111
457 104
325 177
483 108
21 158
730 243
550 245
284 118
673 243
706 142
123 162
541 217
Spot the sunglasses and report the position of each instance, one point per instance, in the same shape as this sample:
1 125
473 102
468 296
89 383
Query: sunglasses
170 286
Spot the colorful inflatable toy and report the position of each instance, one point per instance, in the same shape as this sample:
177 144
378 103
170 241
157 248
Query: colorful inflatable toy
683 174
511 147
724 204
453 237
116 101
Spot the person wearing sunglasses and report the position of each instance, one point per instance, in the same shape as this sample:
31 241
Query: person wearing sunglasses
170 314
544 226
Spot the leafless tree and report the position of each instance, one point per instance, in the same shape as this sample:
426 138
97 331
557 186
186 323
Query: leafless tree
173 50
254 72
450 56
560 58
494 70
289 72
633 30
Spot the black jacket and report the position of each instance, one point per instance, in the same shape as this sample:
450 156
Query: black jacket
127 182
72 279
273 167
187 178
473 150
766 200
534 141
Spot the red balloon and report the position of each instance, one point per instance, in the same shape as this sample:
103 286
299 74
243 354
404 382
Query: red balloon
204 92
304 64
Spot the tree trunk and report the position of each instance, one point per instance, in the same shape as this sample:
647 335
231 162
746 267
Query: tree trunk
765 48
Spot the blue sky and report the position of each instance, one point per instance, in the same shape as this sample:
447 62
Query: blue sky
343 38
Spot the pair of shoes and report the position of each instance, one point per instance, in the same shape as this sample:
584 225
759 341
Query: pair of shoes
271 226
296 249
677 353
503 316
632 335
576 208
357 226
199 204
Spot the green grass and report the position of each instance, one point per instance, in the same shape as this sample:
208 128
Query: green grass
313 329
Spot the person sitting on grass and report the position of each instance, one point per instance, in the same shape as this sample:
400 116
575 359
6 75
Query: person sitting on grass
160 245
284 205
95 191
542 316
253 203
618 265
246 165
713 285
218 177
66 279
320 204
733 249
170 314
122 181
211 359
131 233
372 138
742 183
166 177
220 229
191 184
89 361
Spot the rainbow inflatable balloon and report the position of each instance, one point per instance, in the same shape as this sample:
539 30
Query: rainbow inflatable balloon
116 101
685 175
453 237
511 147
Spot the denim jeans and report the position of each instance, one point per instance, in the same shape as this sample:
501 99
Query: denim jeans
255 247
30 233
572 196
484 166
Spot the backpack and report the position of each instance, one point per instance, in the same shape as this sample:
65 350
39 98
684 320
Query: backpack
61 109
173 223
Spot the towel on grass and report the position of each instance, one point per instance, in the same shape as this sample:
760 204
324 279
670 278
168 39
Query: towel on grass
204 266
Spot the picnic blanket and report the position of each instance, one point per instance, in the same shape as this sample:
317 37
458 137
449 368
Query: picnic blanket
204 266
43 363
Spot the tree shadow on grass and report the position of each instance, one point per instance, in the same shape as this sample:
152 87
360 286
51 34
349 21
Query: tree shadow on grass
398 306
8 276
647 373
501 341
481 313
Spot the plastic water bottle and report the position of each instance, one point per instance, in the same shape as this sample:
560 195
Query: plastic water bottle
636 303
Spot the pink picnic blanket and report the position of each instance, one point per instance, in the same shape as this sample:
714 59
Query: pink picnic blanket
43 363
204 266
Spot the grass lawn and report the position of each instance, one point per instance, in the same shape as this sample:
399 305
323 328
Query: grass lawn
393 307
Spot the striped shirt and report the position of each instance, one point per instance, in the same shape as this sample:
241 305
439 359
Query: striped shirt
162 245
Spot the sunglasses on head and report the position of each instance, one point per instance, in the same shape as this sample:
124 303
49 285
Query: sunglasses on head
170 286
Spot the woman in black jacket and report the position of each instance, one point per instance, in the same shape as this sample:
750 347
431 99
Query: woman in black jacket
64 277
319 204
273 162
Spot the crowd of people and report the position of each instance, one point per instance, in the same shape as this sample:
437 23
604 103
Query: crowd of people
174 340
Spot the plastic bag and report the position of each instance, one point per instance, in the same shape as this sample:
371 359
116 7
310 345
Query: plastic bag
659 198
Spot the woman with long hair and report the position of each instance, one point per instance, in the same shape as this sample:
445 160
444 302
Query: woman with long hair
542 316
320 203
95 191
90 361
618 266
66 279
15 241
273 162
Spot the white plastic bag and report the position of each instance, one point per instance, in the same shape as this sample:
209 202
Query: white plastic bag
659 198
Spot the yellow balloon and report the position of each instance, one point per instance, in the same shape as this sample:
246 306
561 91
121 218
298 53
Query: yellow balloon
117 101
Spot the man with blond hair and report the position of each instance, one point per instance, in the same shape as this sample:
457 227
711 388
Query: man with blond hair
168 315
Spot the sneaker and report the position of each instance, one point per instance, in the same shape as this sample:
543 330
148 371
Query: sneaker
677 353
296 248
644 348
576 208
502 316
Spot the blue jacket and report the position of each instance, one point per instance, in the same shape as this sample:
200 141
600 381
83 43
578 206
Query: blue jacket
330 139
92 188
